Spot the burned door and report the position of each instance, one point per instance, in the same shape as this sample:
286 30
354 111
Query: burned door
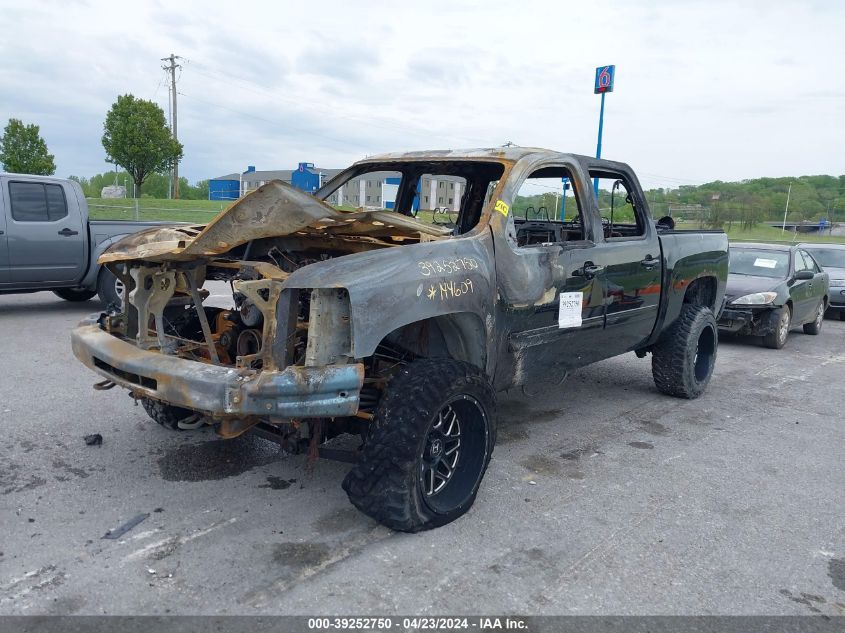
551 290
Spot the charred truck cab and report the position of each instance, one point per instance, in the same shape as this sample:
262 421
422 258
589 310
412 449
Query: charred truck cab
401 325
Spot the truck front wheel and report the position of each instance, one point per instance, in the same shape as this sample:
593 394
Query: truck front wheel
682 361
427 448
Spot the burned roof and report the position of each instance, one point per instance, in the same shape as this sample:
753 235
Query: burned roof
512 153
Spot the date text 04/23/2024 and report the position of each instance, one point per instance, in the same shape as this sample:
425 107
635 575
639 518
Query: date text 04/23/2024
426 623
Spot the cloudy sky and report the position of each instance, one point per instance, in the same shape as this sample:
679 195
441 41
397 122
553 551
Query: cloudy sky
704 90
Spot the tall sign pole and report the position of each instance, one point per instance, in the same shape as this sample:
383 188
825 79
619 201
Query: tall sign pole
604 84
564 187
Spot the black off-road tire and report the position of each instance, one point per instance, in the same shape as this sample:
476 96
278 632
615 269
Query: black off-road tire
107 288
682 361
387 483
166 415
778 337
815 326
74 294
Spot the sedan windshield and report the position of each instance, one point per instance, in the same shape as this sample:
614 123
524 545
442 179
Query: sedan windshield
829 257
758 262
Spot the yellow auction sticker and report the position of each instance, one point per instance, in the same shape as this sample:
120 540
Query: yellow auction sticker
502 208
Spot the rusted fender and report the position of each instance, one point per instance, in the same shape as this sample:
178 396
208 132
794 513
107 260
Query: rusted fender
393 287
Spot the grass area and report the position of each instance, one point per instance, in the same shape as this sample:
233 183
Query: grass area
765 233
198 211
771 234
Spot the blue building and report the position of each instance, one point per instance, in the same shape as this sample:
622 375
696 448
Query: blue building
227 187
306 178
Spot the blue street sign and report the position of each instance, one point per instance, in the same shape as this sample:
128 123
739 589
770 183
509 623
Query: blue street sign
604 79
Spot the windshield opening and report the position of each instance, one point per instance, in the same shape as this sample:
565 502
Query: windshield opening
759 262
449 194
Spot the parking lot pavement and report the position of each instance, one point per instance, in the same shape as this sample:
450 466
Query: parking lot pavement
603 496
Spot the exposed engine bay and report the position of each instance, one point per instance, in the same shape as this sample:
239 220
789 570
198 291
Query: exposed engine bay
266 326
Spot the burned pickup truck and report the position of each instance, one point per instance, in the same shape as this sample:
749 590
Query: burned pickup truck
401 324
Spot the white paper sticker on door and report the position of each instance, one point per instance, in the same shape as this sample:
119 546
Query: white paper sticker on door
569 313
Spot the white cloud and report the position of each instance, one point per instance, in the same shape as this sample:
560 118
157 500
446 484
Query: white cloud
704 90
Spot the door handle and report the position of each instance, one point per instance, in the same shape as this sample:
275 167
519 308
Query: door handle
67 232
649 262
589 270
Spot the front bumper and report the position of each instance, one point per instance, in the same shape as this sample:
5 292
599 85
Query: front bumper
295 392
836 302
754 321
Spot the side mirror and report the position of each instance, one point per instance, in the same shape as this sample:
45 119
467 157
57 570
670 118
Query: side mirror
804 275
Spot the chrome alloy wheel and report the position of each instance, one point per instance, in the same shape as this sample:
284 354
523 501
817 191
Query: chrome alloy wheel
442 452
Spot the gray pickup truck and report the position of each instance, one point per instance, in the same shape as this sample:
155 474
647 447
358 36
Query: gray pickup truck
401 324
47 241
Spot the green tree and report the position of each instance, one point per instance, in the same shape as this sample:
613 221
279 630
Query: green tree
85 184
137 138
23 151
196 192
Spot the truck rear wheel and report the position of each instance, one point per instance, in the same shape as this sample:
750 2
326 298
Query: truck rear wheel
74 294
169 416
428 446
682 361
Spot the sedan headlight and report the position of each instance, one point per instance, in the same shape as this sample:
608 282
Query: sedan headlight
755 299
837 282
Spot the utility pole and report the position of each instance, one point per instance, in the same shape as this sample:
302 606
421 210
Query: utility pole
785 211
171 68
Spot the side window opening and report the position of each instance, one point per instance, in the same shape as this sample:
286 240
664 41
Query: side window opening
620 217
801 263
811 263
546 209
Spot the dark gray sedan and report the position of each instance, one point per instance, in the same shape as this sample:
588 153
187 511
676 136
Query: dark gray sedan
831 257
771 289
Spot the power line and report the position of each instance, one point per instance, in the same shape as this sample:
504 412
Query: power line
669 179
155 92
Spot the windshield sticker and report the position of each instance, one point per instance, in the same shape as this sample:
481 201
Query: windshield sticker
569 312
761 262
502 207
